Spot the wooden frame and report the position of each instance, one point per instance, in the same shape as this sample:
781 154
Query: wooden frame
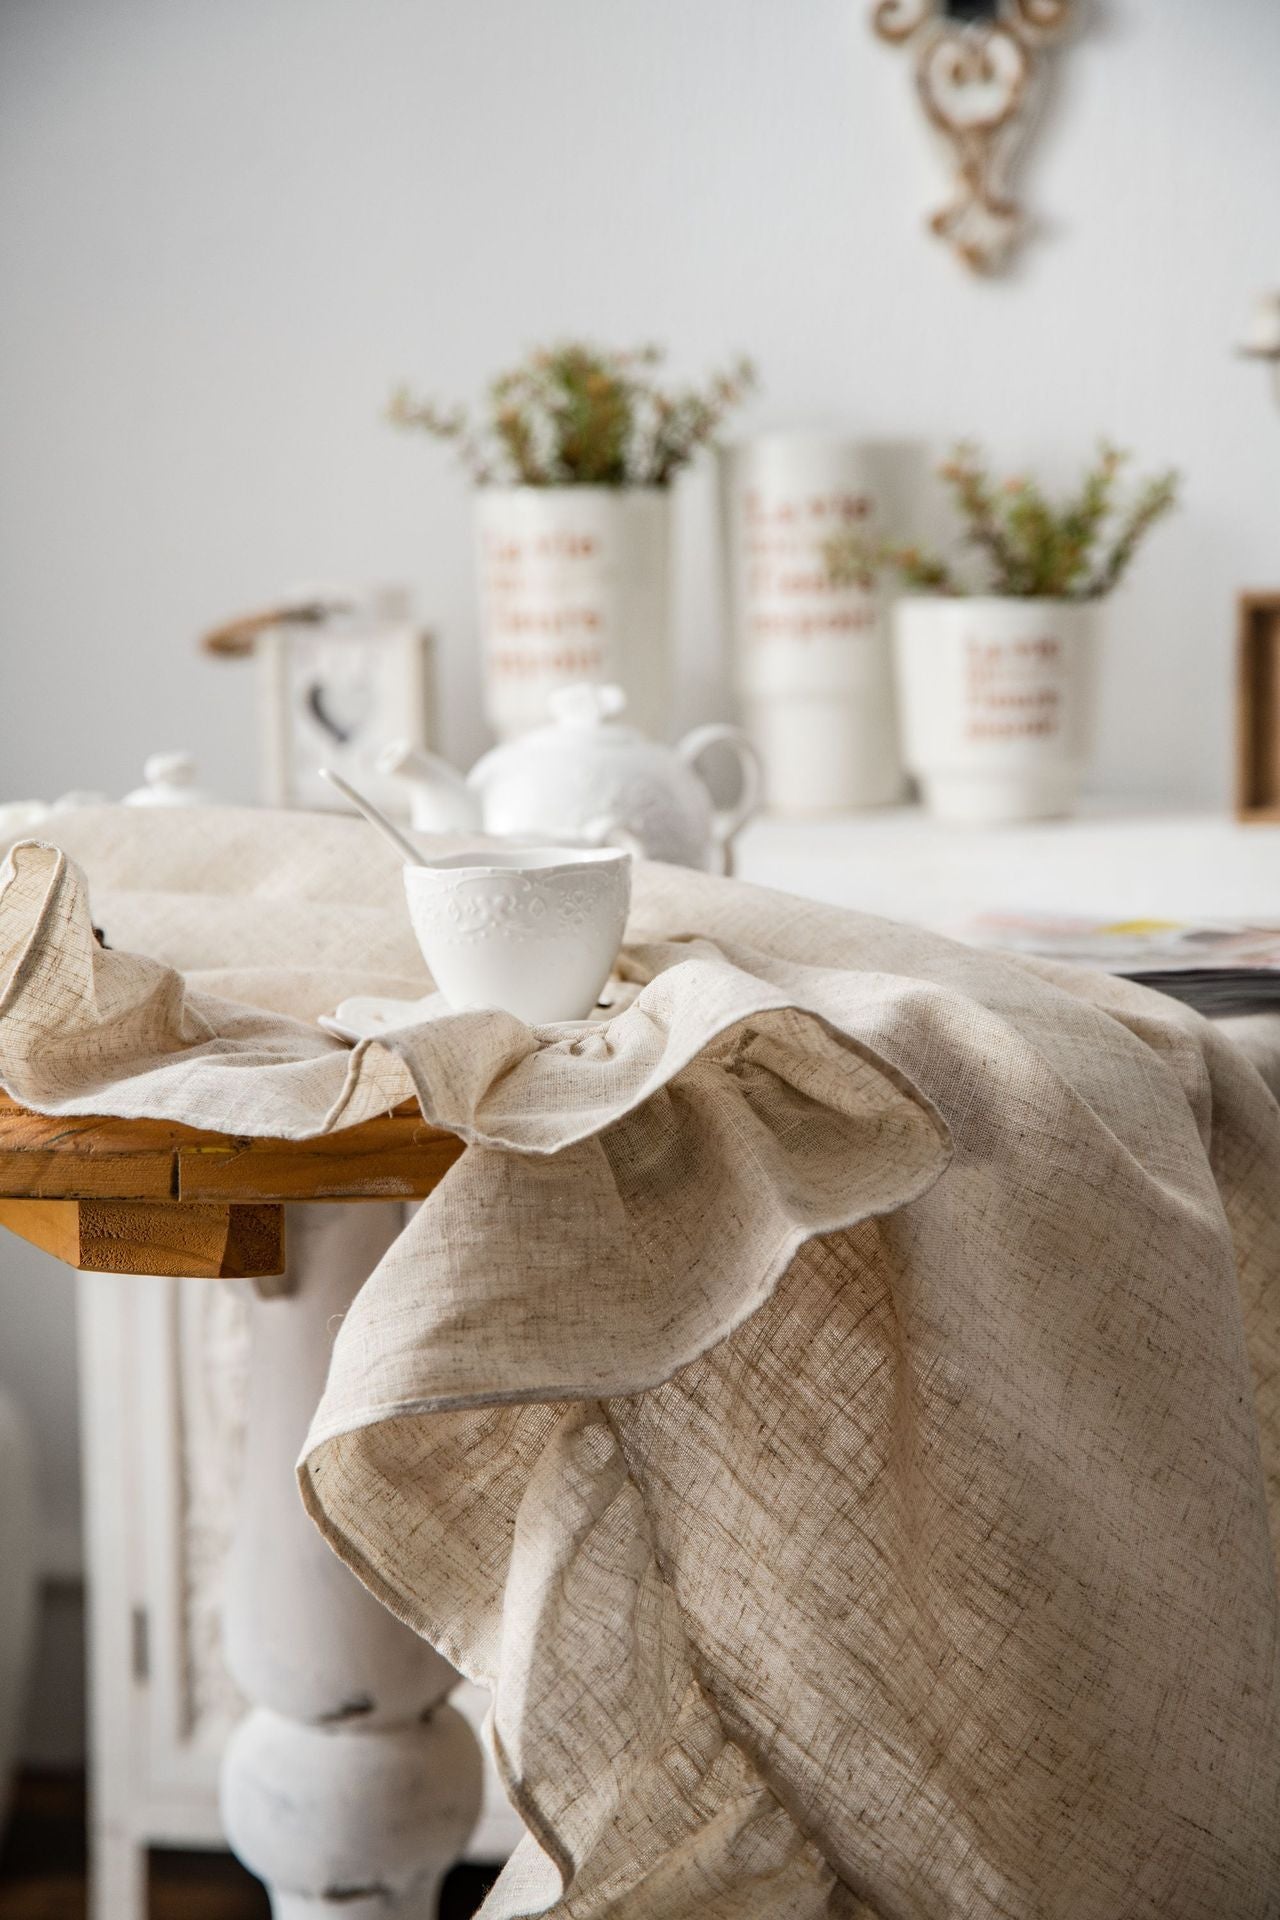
298 733
1258 707
151 1196
340 675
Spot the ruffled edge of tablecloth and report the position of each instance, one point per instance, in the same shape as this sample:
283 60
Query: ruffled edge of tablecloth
338 1473
727 1797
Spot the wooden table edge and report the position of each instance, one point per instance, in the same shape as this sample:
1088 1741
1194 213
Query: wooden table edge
154 1196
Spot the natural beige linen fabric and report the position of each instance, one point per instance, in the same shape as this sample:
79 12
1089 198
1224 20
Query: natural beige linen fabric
828 1431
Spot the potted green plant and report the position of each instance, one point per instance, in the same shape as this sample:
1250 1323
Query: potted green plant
573 453
996 668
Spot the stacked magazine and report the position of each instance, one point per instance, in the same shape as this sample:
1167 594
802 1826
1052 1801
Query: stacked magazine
1218 968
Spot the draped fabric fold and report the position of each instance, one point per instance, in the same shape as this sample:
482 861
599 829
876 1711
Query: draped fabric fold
818 1403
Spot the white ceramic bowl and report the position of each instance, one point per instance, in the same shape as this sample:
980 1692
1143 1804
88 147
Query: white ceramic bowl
533 930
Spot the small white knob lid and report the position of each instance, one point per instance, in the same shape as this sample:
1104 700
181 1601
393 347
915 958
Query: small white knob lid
586 704
176 769
168 780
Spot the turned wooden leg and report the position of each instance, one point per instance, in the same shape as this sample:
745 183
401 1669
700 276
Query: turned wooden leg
350 1787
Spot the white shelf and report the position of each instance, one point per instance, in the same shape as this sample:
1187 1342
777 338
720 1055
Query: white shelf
1115 861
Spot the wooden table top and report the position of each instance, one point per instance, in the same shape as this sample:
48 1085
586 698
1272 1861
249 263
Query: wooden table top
152 1196
396 1156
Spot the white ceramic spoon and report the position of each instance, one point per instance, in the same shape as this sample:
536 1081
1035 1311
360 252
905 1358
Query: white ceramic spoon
376 818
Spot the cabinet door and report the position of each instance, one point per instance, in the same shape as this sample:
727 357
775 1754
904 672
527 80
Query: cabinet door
160 1708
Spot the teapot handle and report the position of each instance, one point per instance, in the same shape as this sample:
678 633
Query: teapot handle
727 821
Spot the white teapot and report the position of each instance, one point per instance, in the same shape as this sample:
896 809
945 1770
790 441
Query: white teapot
588 779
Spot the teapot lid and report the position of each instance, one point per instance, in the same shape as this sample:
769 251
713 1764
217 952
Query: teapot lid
584 729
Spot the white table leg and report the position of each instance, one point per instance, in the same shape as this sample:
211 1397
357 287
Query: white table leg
350 1787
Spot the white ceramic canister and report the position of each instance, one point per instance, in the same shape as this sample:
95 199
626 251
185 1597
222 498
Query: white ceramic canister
575 584
998 702
811 660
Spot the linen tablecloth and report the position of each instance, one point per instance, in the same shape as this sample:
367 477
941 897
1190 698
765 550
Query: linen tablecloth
819 1405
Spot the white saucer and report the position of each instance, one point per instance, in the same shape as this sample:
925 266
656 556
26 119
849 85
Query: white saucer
369 1016
365 1016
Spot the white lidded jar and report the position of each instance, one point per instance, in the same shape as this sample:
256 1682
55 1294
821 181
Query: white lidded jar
169 780
811 659
998 701
575 584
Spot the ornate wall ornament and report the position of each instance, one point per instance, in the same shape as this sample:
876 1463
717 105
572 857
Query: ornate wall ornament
979 64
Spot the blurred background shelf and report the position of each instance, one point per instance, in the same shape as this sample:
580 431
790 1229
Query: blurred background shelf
1116 860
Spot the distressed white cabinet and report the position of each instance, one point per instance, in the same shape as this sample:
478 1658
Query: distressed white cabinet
163 1380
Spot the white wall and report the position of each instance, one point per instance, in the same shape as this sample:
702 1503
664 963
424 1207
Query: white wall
226 226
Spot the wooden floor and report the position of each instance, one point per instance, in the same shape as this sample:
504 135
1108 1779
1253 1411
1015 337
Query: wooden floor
42 1868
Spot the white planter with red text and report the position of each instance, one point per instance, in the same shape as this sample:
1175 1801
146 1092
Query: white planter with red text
997 699
574 585
811 660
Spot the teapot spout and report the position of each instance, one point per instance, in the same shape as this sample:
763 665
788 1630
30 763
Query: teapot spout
610 830
442 800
